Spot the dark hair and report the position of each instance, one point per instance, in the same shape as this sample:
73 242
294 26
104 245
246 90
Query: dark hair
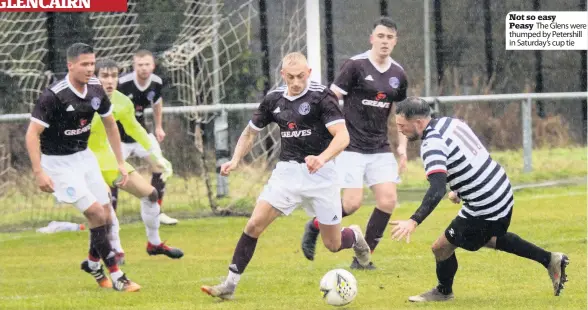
105 63
143 53
412 107
386 22
77 49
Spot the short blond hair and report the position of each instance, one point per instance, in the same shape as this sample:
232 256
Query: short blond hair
294 58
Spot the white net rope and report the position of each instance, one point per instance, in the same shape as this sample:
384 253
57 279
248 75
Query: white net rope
293 30
191 58
116 35
291 38
23 39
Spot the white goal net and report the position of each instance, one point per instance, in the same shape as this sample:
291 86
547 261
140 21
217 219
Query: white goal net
23 40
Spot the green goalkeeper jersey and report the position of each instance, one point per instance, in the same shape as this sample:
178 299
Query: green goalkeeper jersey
123 111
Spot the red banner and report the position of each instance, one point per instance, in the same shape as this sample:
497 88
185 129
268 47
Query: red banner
63 5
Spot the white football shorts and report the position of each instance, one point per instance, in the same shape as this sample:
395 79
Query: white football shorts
291 185
77 179
356 169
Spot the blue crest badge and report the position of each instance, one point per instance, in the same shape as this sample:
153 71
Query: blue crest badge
71 192
304 108
394 82
95 103
150 96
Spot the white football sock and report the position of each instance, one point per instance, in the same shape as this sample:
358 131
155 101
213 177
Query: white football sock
233 279
94 265
114 236
150 215
116 275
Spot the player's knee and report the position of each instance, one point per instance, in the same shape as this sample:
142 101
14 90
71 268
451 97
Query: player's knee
438 249
332 245
351 205
96 214
387 203
154 196
254 228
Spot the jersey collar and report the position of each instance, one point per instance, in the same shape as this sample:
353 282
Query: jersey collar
292 98
136 81
74 90
429 127
388 65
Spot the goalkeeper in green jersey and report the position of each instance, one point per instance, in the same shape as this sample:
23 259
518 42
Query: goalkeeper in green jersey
124 113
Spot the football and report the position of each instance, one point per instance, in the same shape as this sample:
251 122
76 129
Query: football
338 287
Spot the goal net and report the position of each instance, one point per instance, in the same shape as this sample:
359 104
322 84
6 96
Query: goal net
23 39
116 35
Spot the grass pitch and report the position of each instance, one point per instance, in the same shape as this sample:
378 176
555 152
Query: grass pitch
42 271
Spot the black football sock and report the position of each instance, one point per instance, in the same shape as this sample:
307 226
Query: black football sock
512 243
243 253
114 197
376 227
446 271
101 245
159 185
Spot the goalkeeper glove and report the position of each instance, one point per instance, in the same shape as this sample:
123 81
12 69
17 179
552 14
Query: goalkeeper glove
163 164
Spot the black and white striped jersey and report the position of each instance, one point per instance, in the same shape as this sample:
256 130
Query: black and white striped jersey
450 146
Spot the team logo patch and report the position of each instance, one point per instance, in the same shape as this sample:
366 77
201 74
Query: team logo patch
394 82
83 122
304 108
150 95
71 192
95 103
292 126
380 96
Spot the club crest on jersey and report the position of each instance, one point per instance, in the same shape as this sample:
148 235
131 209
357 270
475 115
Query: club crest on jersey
96 103
150 96
304 108
380 96
71 192
394 82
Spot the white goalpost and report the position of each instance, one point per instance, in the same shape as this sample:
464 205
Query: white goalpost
313 39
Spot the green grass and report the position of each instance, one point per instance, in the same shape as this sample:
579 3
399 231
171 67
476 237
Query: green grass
548 164
42 271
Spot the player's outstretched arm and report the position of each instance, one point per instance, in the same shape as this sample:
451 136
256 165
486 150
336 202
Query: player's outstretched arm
436 192
401 151
337 145
34 149
34 145
158 120
244 145
339 142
